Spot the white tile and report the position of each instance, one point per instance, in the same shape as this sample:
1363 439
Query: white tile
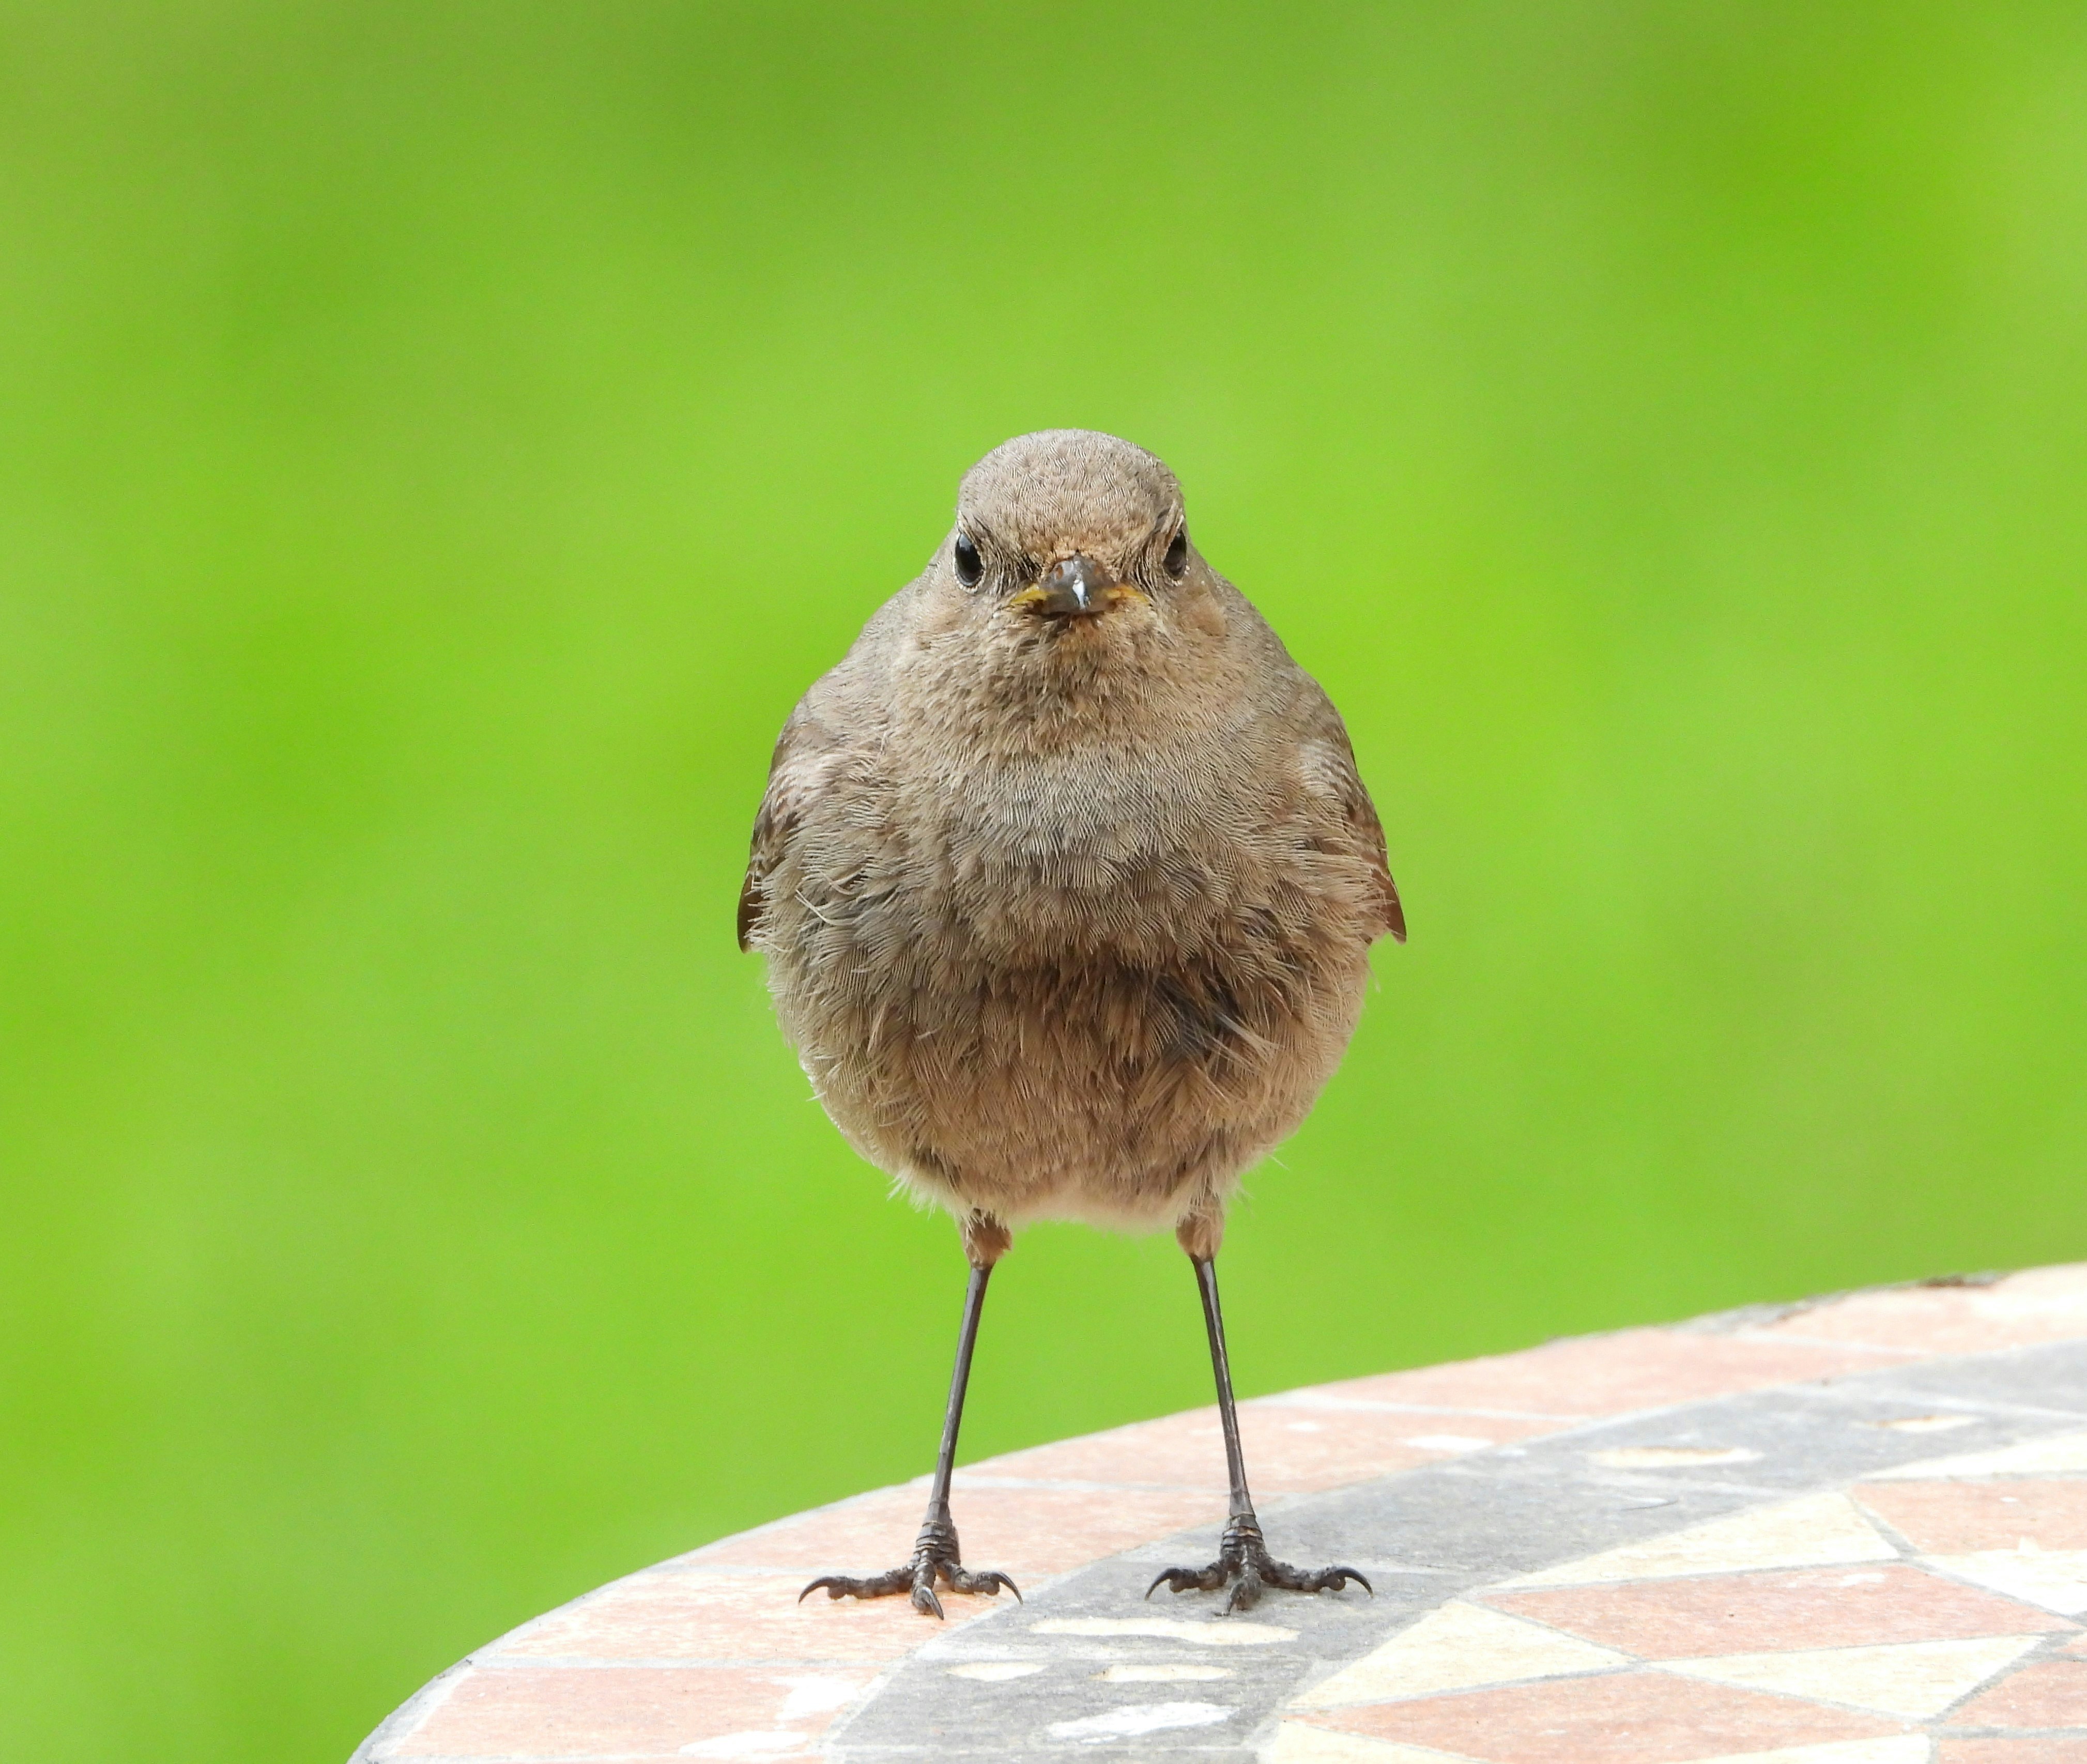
769 1743
1897 1749
2050 1296
1297 1742
1134 1718
997 1671
1455 1648
818 1696
2032 1457
1817 1531
1912 1680
2056 1579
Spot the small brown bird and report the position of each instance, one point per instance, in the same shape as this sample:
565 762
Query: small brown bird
1066 883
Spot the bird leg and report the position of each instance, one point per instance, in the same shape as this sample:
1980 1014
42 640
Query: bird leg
935 1553
1244 1563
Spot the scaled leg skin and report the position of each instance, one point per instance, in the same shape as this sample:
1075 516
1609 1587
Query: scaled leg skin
935 1554
1244 1563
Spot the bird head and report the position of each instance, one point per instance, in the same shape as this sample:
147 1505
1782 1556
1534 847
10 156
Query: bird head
1068 537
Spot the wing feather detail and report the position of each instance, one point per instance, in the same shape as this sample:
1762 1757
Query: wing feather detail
1329 763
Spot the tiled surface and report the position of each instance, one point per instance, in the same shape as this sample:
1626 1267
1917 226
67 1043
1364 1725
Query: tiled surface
1727 1614
1852 1533
1631 1717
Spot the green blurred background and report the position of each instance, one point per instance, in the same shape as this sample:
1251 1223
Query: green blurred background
438 442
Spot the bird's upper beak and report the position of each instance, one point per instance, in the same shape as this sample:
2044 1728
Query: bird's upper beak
1075 587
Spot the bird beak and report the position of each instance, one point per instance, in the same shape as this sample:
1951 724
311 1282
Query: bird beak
1074 587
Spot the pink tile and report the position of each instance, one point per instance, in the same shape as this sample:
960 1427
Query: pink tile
1622 1718
604 1712
668 1614
1952 1519
1289 1449
2011 1752
2048 1304
872 1530
1594 1375
1760 1613
1021 1531
1040 1532
2052 1694
1172 1450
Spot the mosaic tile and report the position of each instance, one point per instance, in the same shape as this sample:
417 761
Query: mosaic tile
690 1616
2056 1579
1219 1632
826 1537
1672 1457
1291 1447
1612 1375
1909 1679
1131 1721
2052 1694
1766 1613
1817 1530
1173 1451
709 1656
1296 1742
2041 1305
1026 1532
1038 1532
1622 1718
610 1712
1958 1518
1161 1672
1900 1748
1455 1648
1329 1408
2052 1456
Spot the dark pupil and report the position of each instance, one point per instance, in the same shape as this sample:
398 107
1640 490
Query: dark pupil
1177 552
969 565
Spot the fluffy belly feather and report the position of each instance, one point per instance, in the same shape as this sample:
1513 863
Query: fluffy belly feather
1115 1052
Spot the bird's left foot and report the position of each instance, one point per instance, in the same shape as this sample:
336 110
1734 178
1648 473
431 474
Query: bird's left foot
1244 1564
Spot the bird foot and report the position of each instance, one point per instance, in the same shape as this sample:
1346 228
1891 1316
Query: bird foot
1244 1564
935 1557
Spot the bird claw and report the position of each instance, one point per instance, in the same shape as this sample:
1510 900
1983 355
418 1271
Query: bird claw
934 1557
1245 1565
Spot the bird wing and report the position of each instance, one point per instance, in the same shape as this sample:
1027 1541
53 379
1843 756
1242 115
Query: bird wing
1329 770
832 723
803 753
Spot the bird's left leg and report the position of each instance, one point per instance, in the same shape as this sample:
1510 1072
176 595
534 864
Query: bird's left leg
1244 1563
935 1551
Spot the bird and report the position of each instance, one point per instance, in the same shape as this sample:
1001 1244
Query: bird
1065 880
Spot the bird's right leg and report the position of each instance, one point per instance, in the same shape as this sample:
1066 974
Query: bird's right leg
935 1553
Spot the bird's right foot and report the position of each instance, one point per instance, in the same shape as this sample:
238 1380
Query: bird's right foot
935 1557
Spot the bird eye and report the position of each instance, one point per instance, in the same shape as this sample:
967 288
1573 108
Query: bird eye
1177 559
970 567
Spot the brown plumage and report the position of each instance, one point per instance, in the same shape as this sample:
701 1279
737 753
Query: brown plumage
1065 877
